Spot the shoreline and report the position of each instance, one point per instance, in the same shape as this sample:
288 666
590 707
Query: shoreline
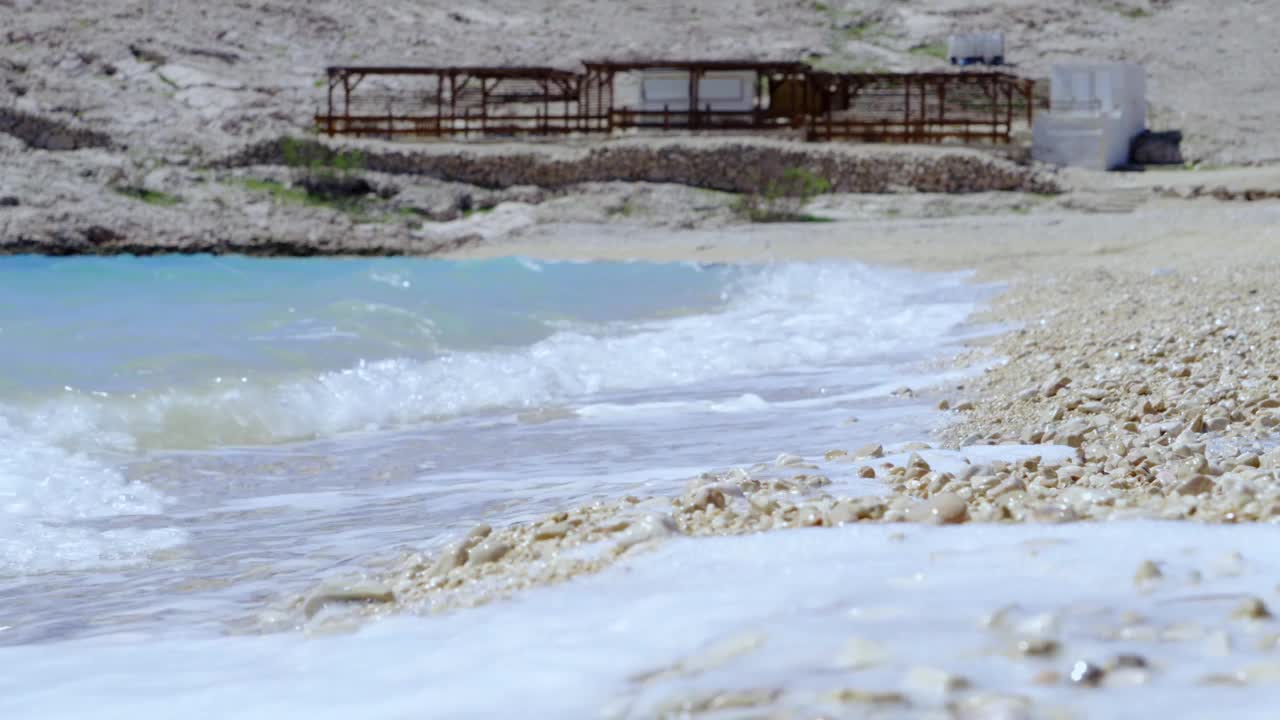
1138 447
1014 646
1108 420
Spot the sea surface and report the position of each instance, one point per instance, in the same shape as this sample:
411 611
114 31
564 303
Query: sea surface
186 440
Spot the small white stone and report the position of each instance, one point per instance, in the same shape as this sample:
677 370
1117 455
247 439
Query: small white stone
860 654
933 681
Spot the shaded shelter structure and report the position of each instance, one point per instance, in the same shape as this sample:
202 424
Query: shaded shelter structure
675 95
390 101
920 107
697 94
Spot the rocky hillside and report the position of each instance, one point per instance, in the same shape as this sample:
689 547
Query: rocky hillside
189 77
116 116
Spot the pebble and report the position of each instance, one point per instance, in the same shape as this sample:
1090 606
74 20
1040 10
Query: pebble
874 450
647 528
850 696
940 509
1086 674
360 591
786 460
1261 673
933 681
1127 677
1038 647
488 550
861 653
551 531
453 556
991 706
1047 677
1127 660
722 652
1198 485
1147 573
1251 609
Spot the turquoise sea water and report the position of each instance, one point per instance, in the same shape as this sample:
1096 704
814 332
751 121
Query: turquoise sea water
224 431
127 324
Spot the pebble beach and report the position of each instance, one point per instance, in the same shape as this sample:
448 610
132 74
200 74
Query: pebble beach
562 429
1128 393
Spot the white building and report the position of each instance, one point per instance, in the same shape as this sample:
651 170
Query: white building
718 91
984 48
1095 112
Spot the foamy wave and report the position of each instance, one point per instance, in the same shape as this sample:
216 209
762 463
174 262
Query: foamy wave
50 498
784 317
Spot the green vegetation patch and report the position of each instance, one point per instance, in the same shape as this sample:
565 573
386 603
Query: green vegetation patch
279 191
934 50
1129 11
783 198
360 209
150 197
864 30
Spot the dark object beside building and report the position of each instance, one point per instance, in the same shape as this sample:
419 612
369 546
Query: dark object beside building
1157 148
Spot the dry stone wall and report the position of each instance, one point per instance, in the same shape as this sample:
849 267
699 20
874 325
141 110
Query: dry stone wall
742 166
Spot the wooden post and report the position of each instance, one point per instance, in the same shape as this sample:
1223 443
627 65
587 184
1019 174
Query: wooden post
829 133
906 113
1028 87
995 109
942 103
439 102
453 103
1008 117
546 105
330 120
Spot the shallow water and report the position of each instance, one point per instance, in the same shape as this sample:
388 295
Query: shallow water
191 439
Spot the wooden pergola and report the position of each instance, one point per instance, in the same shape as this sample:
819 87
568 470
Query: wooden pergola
770 77
465 101
451 101
920 107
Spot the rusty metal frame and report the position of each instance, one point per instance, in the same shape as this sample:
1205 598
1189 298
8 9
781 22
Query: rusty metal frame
969 107
602 75
458 101
461 101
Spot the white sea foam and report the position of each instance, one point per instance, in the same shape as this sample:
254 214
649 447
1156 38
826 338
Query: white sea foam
791 316
790 602
50 495
61 487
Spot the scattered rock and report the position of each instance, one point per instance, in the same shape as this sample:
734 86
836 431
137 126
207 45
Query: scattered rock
345 592
934 681
860 654
941 509
874 450
1251 609
1147 572
1086 674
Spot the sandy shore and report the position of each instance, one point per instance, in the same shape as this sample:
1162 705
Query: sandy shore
1146 341
1142 363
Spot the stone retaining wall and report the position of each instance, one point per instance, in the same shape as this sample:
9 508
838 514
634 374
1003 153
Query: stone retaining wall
45 134
733 166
